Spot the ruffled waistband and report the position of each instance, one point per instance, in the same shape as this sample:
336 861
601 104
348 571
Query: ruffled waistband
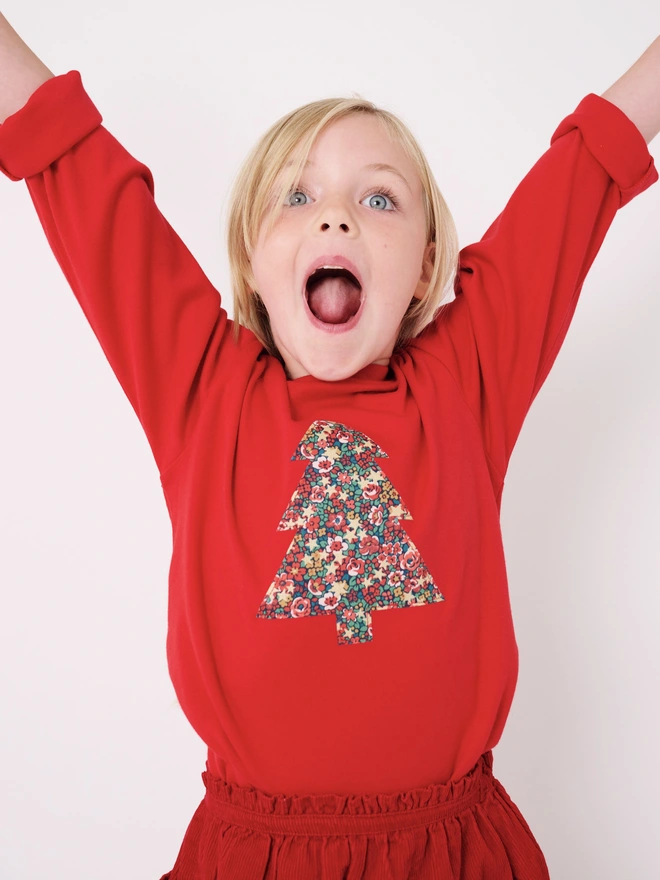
329 814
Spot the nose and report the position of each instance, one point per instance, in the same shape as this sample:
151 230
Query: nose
336 215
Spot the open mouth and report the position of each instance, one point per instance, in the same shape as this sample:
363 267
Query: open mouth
334 296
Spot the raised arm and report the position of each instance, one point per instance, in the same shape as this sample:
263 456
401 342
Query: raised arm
518 287
637 92
157 316
21 72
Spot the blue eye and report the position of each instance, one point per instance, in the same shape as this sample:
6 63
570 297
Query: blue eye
381 193
297 192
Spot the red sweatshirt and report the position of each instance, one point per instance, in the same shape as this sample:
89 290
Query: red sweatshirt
339 617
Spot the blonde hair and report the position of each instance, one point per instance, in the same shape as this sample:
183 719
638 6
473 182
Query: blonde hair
251 195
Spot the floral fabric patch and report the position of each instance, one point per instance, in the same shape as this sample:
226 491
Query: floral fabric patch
350 555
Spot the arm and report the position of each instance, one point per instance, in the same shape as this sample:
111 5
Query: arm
21 72
156 315
518 287
637 92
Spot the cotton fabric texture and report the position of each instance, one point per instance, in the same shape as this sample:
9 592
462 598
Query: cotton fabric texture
339 622
468 829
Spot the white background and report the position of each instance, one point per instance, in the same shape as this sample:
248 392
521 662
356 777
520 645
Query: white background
99 770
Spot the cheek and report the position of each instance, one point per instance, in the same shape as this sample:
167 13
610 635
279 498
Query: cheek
269 263
398 257
399 238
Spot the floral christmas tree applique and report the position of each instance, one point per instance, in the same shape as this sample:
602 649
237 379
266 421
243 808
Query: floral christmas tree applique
350 555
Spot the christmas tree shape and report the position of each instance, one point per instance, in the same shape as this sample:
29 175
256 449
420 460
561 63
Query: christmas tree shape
350 555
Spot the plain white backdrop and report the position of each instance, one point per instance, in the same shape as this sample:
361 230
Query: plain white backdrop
100 772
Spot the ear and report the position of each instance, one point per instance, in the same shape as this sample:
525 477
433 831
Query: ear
427 271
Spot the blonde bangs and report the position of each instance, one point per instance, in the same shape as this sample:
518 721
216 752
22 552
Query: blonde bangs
255 197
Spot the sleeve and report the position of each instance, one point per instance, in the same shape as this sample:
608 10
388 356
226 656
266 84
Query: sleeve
156 315
517 288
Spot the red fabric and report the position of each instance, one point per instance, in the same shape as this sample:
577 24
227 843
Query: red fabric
315 695
465 830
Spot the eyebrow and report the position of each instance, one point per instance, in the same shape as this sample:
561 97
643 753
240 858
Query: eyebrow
374 166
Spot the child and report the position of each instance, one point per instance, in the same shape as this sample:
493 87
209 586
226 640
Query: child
338 450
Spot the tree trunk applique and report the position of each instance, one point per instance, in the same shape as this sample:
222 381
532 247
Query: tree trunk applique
350 554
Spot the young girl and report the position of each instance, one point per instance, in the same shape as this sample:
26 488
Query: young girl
340 633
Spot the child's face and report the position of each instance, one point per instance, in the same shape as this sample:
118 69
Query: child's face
344 212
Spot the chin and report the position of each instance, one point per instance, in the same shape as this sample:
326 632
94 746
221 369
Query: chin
333 371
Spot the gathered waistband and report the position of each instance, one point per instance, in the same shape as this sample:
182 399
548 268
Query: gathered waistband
336 814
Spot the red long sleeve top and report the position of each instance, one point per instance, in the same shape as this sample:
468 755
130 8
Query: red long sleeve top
338 614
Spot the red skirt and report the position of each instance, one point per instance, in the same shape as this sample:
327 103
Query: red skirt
464 830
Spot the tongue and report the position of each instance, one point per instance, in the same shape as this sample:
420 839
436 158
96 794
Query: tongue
334 300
